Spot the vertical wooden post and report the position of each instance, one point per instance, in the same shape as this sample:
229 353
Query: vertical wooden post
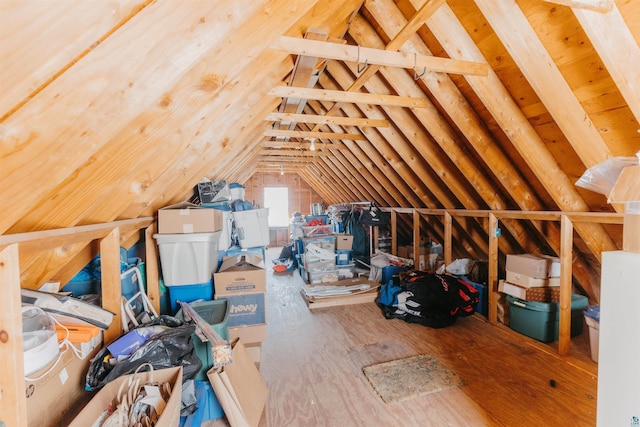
447 238
394 232
566 274
416 240
492 280
13 405
375 234
151 267
111 285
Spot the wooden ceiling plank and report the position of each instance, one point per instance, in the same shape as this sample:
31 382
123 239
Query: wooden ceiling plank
515 32
497 99
449 96
378 57
310 134
394 147
58 115
293 153
318 177
392 168
602 6
363 175
303 145
616 46
342 96
33 58
445 135
304 74
323 120
409 30
422 147
371 173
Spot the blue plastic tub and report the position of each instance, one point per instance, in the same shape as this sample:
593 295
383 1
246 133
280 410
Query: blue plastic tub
189 293
343 257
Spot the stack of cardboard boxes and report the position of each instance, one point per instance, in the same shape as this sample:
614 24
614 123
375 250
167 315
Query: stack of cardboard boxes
188 238
532 287
532 278
242 281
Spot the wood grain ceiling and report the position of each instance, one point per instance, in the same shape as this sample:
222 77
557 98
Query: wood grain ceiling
113 110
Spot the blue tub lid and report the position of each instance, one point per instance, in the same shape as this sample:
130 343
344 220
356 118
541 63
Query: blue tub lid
593 311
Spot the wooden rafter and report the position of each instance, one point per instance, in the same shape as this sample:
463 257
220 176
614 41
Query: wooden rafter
319 119
311 134
456 41
417 20
524 46
352 97
303 145
292 153
379 57
602 6
617 48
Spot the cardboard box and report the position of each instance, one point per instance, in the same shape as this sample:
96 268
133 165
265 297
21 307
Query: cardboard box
240 274
249 334
246 309
540 294
189 218
59 394
626 191
255 351
344 242
240 389
170 416
531 282
536 266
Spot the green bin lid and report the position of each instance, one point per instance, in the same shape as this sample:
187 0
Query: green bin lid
578 302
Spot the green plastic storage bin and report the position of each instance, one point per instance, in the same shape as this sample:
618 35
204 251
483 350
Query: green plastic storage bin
539 320
216 314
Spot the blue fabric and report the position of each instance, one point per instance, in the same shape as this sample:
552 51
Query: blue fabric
389 294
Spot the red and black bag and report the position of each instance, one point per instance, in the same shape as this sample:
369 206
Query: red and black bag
432 299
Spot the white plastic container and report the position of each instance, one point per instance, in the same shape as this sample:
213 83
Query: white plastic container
252 227
225 234
594 337
188 259
39 339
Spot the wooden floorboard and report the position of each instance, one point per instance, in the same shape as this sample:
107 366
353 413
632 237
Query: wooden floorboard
312 364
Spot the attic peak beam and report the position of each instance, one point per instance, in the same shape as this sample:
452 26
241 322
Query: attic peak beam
312 134
387 58
323 120
350 97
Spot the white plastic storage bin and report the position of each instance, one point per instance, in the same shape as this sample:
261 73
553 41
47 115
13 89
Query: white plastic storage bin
225 234
252 227
188 258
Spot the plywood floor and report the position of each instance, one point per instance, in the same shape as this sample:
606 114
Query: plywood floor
312 363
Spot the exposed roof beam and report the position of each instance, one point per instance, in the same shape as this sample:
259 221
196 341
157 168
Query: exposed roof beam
302 145
304 74
526 49
387 58
285 159
322 120
617 48
313 134
352 97
411 27
293 153
602 6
